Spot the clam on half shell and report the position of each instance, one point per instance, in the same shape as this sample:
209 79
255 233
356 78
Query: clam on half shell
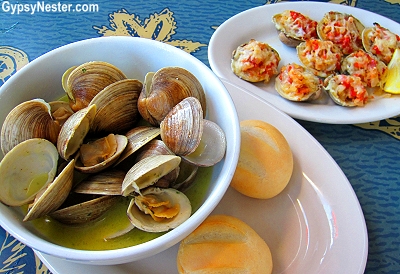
26 169
159 209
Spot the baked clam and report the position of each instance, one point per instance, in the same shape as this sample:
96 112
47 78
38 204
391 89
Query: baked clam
346 90
343 29
366 66
296 83
294 27
322 57
380 41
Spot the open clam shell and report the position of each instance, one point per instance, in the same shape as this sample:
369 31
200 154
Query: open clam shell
138 137
117 106
159 209
147 172
164 89
26 169
182 128
121 142
212 146
82 213
107 182
83 82
30 119
53 195
74 131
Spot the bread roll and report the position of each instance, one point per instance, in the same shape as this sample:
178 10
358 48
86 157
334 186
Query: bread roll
265 161
224 244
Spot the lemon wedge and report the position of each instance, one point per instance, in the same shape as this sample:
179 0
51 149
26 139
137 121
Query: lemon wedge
392 81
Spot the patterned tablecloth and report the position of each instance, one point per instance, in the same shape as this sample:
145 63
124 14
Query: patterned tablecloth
368 153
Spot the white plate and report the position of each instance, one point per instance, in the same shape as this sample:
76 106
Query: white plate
256 23
315 225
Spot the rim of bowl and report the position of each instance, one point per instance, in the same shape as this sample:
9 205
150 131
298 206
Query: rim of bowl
172 237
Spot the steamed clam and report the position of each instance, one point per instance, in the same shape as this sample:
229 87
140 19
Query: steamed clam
164 89
30 119
83 82
159 209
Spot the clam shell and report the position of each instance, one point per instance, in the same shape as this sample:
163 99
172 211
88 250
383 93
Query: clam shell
74 131
26 169
117 106
138 137
30 119
164 89
182 128
143 221
158 147
83 82
147 172
107 182
84 212
122 141
212 146
53 195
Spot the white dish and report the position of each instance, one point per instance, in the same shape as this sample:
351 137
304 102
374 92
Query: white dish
315 225
257 23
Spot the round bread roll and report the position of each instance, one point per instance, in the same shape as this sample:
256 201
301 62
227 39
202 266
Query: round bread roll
265 161
224 244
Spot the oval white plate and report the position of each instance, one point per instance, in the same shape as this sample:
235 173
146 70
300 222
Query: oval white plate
315 225
256 23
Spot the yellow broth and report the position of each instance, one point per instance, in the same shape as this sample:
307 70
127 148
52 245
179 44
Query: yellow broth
91 236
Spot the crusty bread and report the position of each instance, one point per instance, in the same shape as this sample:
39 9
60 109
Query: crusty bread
224 244
265 161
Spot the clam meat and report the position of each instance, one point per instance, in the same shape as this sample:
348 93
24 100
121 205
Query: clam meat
159 209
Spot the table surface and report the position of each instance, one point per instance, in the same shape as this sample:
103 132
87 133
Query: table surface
367 153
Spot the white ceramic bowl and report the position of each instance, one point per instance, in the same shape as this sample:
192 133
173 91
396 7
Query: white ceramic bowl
41 78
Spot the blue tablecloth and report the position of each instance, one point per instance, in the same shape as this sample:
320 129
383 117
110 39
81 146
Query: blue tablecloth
368 153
